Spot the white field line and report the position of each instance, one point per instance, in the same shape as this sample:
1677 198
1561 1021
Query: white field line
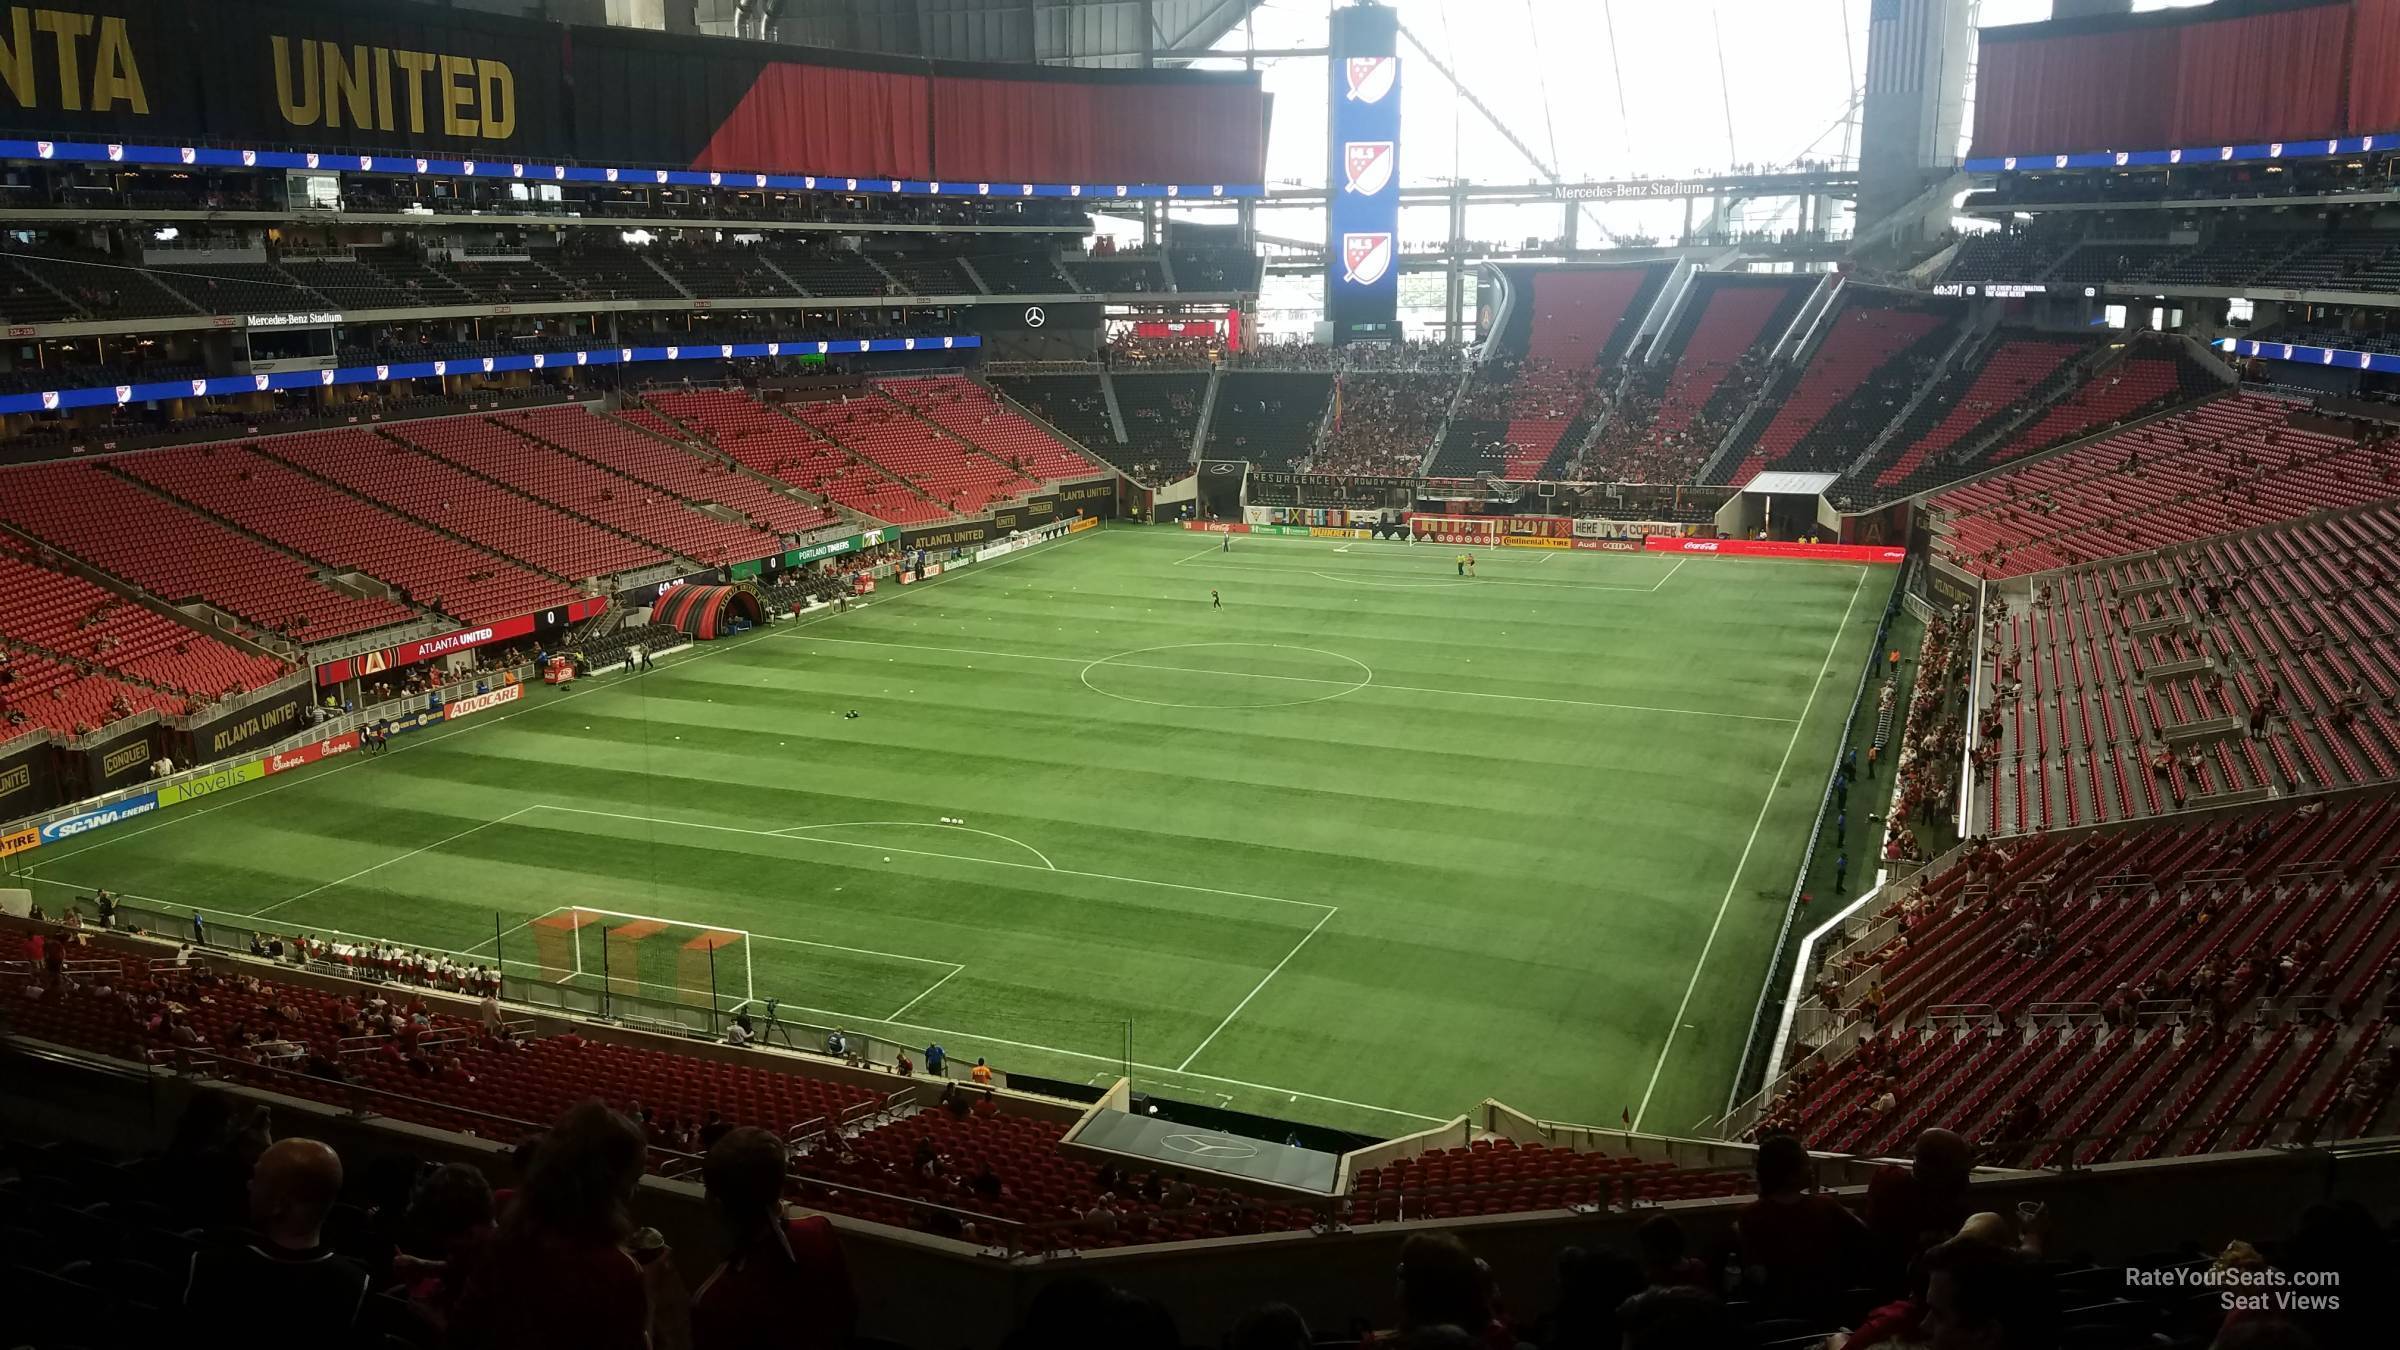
420 739
922 853
427 848
1706 947
1308 679
923 825
922 997
1237 1008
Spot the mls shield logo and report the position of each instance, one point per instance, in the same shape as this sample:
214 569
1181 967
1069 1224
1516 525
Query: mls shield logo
760 180
45 149
259 382
674 353
808 181
50 400
909 345
2121 158
1174 191
325 377
716 180
662 175
1366 257
124 393
441 367
895 185
2333 147
824 347
365 163
487 365
558 171
2174 157
774 349
540 361
421 166
2009 163
383 373
983 189
2275 151
470 168
2328 357
1024 189
2287 351
853 184
1120 189
726 351
1075 191
625 353
2224 152
582 357
1370 77
116 154
612 175
1367 165
946 343
249 159
864 345
187 154
936 188
199 387
1216 189
516 171
2059 161
312 160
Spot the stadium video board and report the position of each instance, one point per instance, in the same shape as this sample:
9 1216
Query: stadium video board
1362 246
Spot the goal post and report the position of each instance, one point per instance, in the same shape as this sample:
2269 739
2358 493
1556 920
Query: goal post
642 959
1469 531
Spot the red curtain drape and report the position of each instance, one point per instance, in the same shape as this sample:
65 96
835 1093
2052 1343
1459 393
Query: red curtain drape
1058 132
2046 95
826 120
2265 77
2374 66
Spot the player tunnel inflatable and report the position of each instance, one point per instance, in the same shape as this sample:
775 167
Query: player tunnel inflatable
705 612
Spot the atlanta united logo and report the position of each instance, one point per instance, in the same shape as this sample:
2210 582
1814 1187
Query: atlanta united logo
1370 77
1367 257
1368 166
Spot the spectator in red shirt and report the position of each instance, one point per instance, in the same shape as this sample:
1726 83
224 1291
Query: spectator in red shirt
558 1275
786 1286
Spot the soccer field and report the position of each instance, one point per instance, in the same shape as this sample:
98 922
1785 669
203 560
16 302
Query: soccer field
1367 845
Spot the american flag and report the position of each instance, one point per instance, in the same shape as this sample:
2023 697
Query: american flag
1900 34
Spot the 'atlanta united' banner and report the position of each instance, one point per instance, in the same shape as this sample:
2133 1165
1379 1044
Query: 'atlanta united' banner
1362 247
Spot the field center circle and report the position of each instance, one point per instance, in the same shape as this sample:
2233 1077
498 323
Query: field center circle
1245 688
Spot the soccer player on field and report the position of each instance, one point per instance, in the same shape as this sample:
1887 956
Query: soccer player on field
1225 543
1462 564
1215 601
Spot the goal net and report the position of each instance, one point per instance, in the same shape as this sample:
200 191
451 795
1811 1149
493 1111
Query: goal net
1474 531
639 958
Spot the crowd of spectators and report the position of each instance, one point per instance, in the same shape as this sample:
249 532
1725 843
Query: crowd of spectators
1630 446
1931 743
1383 424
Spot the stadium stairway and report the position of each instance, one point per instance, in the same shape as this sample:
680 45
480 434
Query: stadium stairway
546 476
2164 991
396 470
790 450
115 524
654 452
345 532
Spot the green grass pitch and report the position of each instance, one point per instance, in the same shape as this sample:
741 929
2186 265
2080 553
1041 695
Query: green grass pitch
1367 845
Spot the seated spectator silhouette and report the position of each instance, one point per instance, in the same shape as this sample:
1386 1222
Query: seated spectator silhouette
558 1275
1797 1250
785 1285
1442 1284
280 1285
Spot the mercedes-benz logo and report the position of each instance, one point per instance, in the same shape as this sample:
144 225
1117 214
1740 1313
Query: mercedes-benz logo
1210 1146
1036 316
